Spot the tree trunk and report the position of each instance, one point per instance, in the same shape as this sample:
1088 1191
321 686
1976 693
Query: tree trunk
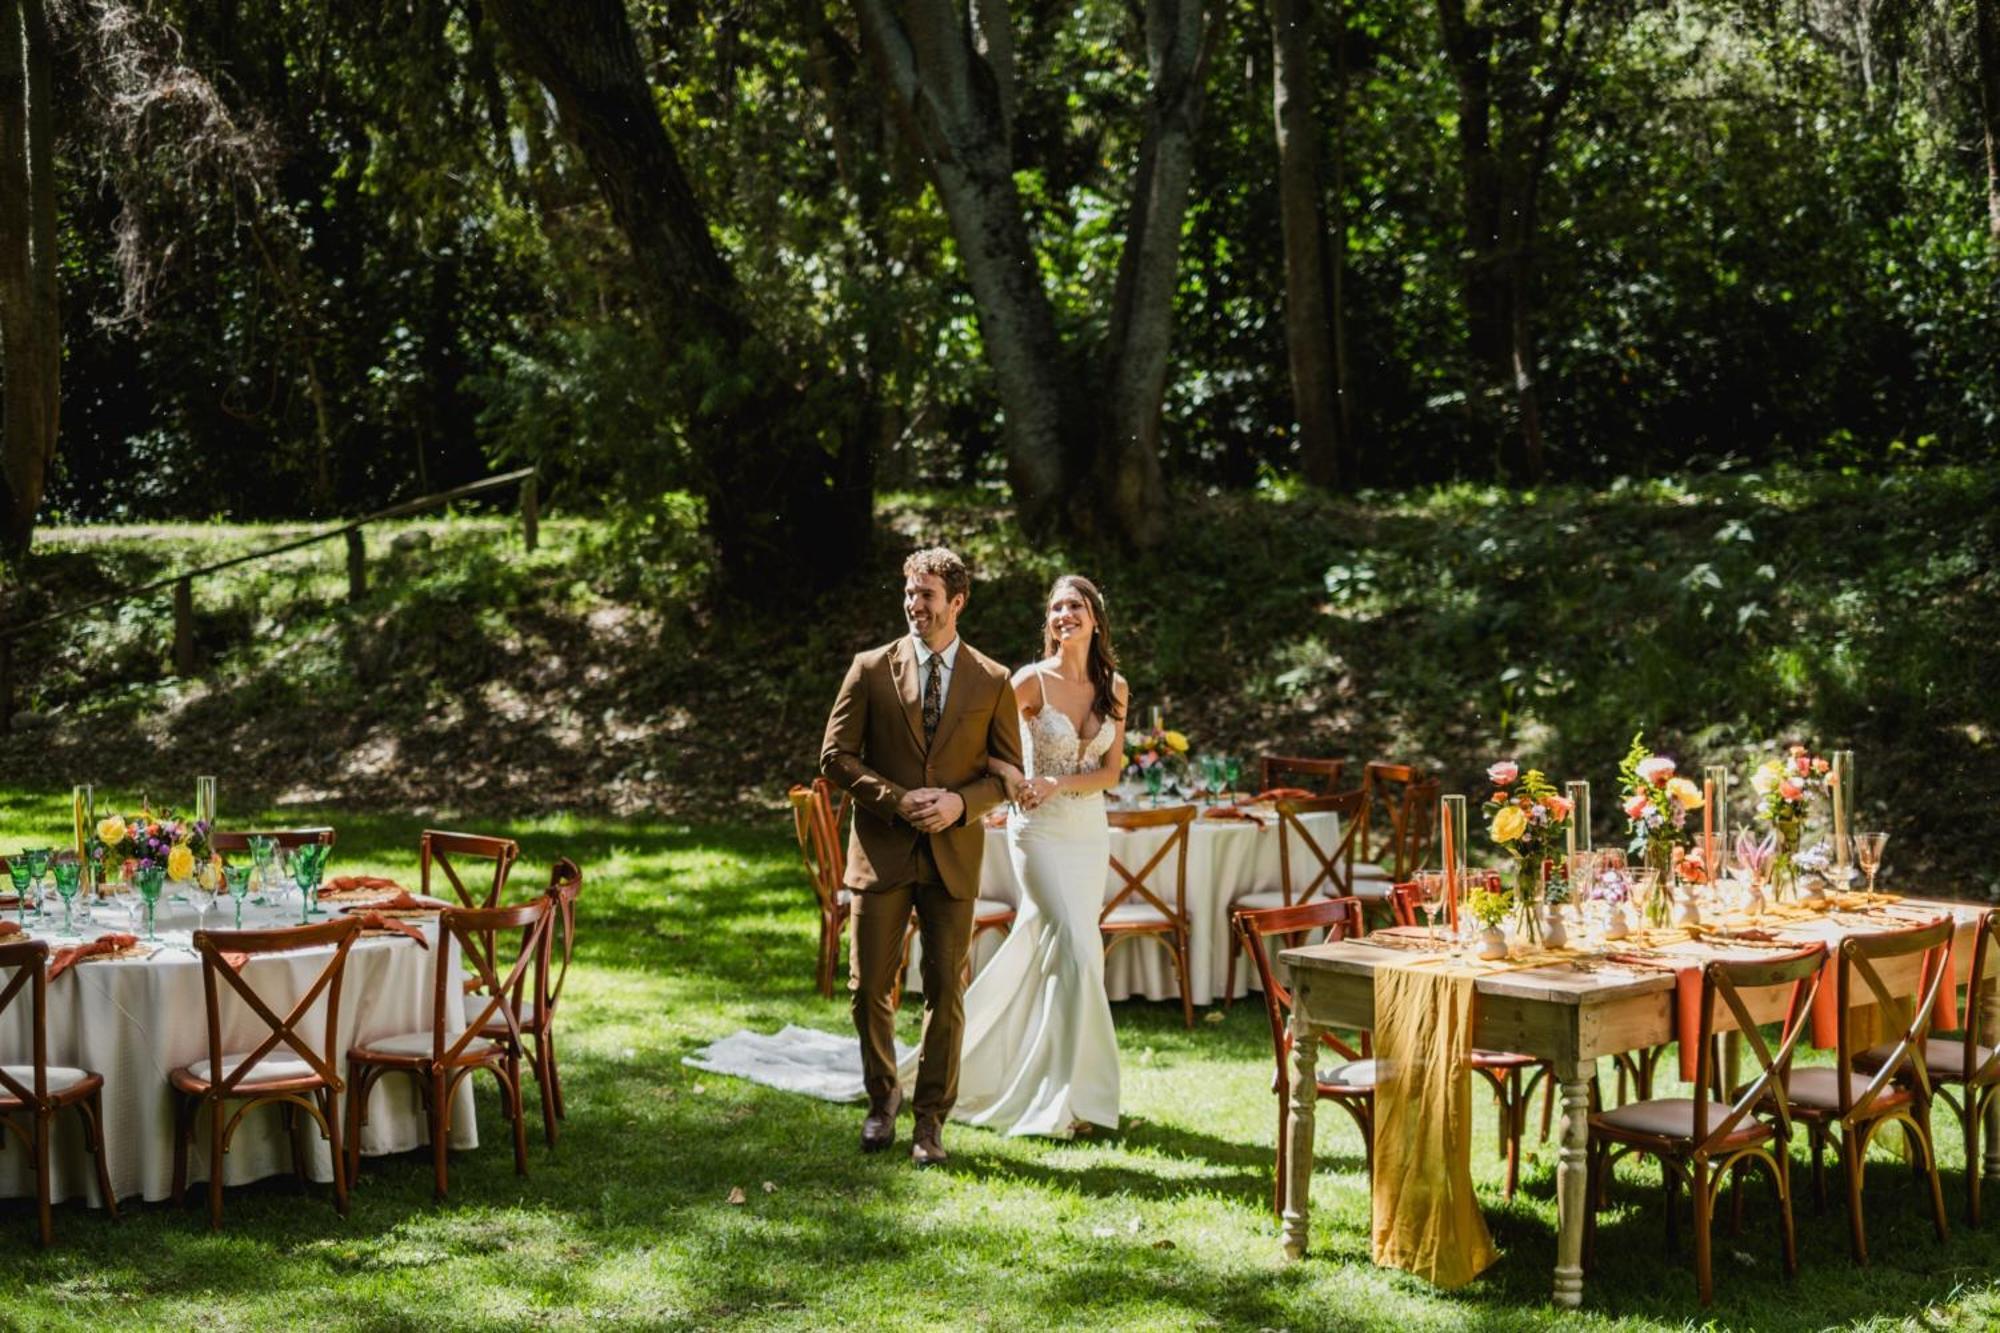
30 340
787 506
1132 492
1309 307
1986 14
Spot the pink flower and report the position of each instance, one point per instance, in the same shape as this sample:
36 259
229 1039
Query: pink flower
1503 772
1802 764
1558 806
1790 790
1820 765
1656 770
1638 806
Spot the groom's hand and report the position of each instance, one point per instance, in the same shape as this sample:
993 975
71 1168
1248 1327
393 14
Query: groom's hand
916 804
931 809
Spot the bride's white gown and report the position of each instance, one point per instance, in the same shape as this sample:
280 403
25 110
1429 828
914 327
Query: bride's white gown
1039 1050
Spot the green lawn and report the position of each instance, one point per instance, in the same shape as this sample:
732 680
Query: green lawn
687 933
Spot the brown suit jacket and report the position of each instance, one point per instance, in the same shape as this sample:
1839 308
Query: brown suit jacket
875 749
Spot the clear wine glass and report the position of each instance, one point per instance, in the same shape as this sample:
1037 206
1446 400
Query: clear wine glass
1868 850
1430 896
263 856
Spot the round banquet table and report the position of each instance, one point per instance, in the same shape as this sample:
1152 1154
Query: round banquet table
136 1020
1225 860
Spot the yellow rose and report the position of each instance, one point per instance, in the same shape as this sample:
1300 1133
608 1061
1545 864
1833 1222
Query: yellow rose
1176 742
1685 792
180 862
111 830
1509 824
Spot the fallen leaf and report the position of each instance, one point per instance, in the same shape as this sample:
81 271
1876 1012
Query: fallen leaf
1133 1226
770 1187
699 1089
1212 1016
1163 1245
736 1194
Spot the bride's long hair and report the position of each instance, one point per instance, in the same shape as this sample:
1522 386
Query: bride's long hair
1103 660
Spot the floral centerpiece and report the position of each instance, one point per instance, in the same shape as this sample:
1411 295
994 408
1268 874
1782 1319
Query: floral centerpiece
1785 788
149 842
1529 819
1657 803
1156 749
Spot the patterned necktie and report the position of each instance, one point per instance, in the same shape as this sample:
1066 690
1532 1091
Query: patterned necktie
933 696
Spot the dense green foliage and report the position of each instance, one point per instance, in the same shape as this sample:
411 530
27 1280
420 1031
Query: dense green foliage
690 932
1761 240
1450 626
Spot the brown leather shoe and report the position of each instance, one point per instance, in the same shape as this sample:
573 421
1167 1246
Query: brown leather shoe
878 1128
928 1149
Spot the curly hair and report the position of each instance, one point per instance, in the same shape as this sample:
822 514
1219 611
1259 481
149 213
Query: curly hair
943 565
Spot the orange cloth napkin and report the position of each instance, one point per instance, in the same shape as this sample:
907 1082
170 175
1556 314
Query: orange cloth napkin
404 901
64 959
361 882
1234 813
1867 1031
1283 794
9 928
376 921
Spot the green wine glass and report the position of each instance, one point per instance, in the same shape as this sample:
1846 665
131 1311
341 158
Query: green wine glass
263 854
1156 778
1232 772
24 882
308 864
150 880
237 879
38 865
69 878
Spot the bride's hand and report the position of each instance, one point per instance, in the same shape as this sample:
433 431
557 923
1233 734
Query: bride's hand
1036 790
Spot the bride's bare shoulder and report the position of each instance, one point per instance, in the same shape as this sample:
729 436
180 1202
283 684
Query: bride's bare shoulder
1028 685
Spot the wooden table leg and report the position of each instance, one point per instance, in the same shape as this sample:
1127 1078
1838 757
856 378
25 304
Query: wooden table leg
1304 1095
1572 1180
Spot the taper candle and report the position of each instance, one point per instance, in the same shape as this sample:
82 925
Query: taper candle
1708 825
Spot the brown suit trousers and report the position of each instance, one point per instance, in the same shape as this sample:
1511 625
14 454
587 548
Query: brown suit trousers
875 749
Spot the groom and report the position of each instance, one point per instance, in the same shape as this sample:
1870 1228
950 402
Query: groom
909 737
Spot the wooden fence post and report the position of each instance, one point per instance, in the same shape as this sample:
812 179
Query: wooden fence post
531 514
357 566
184 627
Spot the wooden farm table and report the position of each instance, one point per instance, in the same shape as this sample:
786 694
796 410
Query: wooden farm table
1563 1013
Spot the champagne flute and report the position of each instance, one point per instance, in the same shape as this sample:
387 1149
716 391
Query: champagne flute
1868 850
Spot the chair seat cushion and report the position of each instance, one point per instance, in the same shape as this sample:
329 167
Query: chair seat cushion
1818 1089
475 1004
1502 1060
1944 1057
1673 1118
1364 870
1259 901
987 909
277 1066
61 1079
1349 1076
1136 914
414 1043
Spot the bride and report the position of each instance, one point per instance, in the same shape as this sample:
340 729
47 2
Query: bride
1040 1055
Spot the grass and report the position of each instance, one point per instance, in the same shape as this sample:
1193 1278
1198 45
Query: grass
689 931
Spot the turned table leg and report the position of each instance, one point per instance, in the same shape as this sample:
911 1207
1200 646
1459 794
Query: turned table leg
1989 1023
1304 1095
1572 1180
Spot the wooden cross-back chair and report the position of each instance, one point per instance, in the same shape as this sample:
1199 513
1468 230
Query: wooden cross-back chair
1333 878
1512 1076
1847 1106
1969 1062
1399 818
283 1069
816 821
438 1060
1296 770
31 1095
538 1011
238 840
1349 1084
1136 910
437 847
1704 1141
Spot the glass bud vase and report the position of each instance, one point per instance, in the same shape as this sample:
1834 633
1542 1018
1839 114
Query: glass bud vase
1528 904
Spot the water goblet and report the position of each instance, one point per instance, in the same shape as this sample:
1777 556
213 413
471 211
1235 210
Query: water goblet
1155 778
38 866
1430 897
263 856
200 899
1232 772
1868 850
68 872
308 863
149 880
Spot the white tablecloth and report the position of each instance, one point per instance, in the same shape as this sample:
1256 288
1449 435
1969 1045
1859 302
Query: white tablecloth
135 1021
1226 859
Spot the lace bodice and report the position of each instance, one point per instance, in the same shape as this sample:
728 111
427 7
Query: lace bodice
1051 746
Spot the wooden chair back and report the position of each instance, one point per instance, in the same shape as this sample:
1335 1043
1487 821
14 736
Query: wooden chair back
1406 905
565 886
1858 956
1293 770
1139 886
216 967
1723 982
473 927
238 840
1335 867
816 822
437 847
1340 918
1972 1029
29 961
